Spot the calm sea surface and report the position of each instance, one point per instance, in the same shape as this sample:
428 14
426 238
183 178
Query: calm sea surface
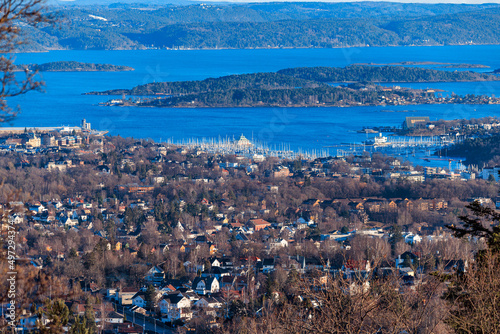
306 128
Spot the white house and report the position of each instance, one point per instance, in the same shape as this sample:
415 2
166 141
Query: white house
139 299
114 318
278 243
210 304
155 275
124 296
205 285
411 238
66 221
38 208
174 307
215 263
15 219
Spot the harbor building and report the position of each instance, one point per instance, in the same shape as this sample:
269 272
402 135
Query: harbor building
85 125
243 141
414 122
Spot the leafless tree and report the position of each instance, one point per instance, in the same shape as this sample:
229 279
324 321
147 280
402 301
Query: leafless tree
347 306
15 15
474 296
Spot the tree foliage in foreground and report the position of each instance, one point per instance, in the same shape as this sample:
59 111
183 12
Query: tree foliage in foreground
474 292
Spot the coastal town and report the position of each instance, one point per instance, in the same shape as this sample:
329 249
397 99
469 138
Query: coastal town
133 236
217 197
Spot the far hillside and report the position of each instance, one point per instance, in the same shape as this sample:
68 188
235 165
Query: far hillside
269 25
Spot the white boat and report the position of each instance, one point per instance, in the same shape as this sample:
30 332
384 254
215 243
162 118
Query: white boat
377 141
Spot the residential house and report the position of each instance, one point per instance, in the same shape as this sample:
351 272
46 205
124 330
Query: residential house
68 222
139 299
259 224
405 204
281 171
242 237
124 296
353 268
356 206
437 204
174 307
392 206
209 304
227 282
155 275
216 272
406 259
278 243
422 205
267 265
114 318
411 238
203 286
373 205
15 219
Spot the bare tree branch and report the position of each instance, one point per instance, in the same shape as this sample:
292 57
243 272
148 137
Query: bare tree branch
15 17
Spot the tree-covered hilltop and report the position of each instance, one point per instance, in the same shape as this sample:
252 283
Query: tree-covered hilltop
303 77
266 81
319 33
72 66
477 151
299 97
383 74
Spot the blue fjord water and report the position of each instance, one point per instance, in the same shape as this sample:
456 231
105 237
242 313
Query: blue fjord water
62 103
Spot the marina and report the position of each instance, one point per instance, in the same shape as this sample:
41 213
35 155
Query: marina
248 148
417 150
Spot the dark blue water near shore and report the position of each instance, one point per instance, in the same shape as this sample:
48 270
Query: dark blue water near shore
307 128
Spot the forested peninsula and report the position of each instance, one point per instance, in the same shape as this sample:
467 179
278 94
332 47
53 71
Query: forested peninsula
479 151
303 87
72 66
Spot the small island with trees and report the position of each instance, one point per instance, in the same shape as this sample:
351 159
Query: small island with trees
72 66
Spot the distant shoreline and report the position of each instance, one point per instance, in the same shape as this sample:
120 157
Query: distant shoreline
260 48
